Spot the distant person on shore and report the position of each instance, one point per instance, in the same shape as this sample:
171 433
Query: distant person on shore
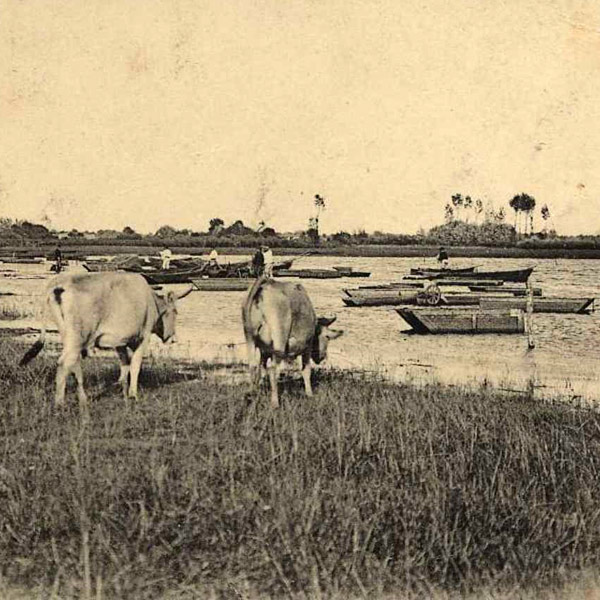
258 263
58 259
442 258
268 260
166 256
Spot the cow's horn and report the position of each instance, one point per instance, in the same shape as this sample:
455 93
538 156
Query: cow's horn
327 321
184 294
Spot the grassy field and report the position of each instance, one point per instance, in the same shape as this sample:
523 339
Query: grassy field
370 489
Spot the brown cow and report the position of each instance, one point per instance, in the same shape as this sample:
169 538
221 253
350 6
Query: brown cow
104 310
280 322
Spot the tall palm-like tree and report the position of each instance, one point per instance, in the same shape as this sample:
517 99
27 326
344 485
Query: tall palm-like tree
523 203
457 203
478 209
320 206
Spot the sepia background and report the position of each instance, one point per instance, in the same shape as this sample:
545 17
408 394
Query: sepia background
128 113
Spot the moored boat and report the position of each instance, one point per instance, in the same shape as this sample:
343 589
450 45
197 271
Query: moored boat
514 275
541 305
435 297
382 298
432 270
450 281
171 276
463 321
229 284
309 273
511 289
21 261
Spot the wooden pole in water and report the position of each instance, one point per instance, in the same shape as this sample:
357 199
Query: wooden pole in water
529 319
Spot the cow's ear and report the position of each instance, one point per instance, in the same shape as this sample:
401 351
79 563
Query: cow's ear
326 322
332 334
170 298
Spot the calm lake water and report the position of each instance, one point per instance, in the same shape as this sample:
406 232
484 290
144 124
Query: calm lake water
564 361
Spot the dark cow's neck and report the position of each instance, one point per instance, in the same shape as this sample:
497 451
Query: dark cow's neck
158 327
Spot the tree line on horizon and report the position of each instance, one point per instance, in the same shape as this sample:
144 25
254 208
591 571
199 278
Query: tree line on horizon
466 221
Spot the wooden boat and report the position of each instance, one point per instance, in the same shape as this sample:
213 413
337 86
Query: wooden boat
461 320
515 275
21 261
432 271
350 272
309 273
228 284
541 305
511 289
380 298
171 276
450 281
421 297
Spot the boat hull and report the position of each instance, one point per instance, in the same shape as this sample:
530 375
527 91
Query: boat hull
541 305
222 285
450 272
463 321
516 275
391 298
164 277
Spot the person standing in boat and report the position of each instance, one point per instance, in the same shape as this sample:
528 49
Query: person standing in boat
212 257
442 258
268 259
58 260
166 256
258 263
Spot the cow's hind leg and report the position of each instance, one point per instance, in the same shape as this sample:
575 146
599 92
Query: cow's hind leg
253 364
125 359
69 362
78 372
306 372
134 371
273 377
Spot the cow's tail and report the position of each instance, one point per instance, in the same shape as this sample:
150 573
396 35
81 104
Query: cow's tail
253 292
33 351
255 289
36 348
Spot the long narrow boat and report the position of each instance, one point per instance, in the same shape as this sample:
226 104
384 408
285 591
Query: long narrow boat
453 272
541 305
447 281
515 275
21 261
309 273
460 320
385 298
228 284
350 272
171 276
401 297
511 289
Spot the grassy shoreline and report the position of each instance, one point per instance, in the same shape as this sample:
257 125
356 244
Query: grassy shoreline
368 489
365 250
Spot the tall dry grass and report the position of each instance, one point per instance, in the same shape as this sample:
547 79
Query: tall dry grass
366 490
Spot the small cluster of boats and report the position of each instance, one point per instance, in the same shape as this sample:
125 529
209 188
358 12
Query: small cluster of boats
211 276
465 300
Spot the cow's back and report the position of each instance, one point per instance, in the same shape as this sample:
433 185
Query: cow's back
96 303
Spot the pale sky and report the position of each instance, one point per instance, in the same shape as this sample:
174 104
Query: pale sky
154 112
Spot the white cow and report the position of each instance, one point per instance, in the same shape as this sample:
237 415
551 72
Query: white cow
104 310
280 322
